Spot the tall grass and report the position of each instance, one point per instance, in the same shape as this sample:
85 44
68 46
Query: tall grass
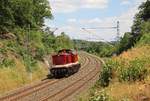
14 77
126 74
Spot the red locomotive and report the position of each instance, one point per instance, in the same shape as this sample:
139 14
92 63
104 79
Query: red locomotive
65 63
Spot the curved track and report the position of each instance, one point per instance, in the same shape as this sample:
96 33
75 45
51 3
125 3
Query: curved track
59 89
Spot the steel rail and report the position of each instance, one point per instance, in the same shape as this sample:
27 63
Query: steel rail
29 90
73 84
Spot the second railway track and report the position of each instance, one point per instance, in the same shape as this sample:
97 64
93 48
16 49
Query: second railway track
53 89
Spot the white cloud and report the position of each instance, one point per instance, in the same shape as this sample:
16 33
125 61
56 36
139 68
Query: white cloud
125 2
66 6
73 26
74 29
125 19
88 22
72 20
94 3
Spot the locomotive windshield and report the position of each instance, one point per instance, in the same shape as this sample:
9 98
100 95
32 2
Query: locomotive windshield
65 51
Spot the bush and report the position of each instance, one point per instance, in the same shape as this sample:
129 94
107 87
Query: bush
40 53
125 99
3 50
145 39
106 73
5 63
30 63
100 96
135 71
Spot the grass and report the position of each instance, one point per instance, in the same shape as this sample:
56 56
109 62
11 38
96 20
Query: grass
133 63
16 76
15 66
22 61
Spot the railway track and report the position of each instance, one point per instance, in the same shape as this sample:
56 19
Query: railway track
62 94
46 90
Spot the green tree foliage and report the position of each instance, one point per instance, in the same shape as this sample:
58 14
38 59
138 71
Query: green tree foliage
63 41
25 19
6 16
144 13
102 49
140 18
145 31
22 13
30 12
145 28
49 41
124 43
141 26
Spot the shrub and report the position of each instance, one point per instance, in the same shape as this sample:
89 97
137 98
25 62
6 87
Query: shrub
30 63
100 96
3 50
106 73
145 39
40 53
135 71
6 62
125 99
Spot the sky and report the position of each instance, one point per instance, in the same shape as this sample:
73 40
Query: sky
70 16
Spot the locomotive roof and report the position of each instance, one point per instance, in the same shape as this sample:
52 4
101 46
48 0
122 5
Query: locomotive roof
67 50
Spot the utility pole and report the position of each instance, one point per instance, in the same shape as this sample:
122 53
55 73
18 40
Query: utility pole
27 57
118 30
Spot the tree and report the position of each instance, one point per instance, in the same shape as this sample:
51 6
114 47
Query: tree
144 13
31 12
140 18
22 13
125 43
6 16
42 10
63 41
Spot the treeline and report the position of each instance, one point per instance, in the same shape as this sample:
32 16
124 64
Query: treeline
22 14
101 49
23 33
25 43
140 30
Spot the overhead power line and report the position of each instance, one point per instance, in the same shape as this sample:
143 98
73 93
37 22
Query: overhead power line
101 28
117 27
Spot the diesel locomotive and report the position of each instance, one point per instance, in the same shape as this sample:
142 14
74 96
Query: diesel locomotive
65 63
